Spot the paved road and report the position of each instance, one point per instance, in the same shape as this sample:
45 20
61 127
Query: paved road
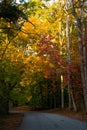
45 121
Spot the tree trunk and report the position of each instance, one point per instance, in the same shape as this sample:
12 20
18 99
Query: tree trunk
61 76
68 52
4 106
84 54
54 97
82 47
62 93
74 104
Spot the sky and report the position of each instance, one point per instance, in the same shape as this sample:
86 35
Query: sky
51 1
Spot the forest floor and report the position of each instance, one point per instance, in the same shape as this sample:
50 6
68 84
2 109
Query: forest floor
13 120
10 122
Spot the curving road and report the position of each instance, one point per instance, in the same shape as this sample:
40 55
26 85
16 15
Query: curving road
45 121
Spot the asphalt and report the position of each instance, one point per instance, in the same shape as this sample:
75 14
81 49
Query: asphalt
46 121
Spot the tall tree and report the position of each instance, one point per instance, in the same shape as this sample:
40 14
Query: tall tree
68 52
80 20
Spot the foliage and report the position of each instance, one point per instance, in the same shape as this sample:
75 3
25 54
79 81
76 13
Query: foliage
10 11
9 78
33 55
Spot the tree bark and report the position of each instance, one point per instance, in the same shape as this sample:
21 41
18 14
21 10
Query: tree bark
82 47
74 104
68 53
61 75
4 105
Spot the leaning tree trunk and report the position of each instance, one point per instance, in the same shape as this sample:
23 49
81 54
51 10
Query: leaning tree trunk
73 102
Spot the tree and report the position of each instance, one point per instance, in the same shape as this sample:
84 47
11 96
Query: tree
80 20
9 78
69 61
37 51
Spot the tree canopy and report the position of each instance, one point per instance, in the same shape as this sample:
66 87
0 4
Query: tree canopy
43 54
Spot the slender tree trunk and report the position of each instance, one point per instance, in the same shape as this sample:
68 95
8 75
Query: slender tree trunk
51 101
61 75
54 97
54 93
62 93
73 101
68 52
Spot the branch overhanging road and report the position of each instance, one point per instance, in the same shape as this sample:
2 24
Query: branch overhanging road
46 121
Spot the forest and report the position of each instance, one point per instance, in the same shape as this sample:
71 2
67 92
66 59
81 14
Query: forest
43 54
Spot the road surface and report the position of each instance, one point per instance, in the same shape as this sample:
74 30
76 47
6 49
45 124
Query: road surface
46 121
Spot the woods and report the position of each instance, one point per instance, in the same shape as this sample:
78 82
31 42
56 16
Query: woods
43 54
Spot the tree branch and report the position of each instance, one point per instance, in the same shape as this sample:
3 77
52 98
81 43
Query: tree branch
76 16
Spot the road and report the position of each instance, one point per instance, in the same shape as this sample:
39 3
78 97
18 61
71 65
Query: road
46 121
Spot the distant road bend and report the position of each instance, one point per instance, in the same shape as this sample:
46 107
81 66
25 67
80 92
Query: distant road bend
46 121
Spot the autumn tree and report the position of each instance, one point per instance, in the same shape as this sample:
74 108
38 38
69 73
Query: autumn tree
39 54
79 6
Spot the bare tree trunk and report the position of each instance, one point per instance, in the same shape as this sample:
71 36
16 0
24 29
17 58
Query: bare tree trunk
54 93
61 75
74 104
62 93
84 54
82 47
54 97
51 101
68 52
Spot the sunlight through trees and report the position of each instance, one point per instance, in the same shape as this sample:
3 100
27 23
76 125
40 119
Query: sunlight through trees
43 54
